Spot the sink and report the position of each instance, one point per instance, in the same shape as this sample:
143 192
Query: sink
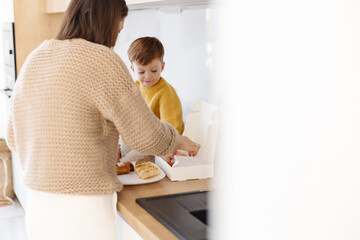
184 214
201 215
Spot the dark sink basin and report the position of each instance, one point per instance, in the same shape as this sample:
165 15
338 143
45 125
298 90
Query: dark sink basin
184 214
201 215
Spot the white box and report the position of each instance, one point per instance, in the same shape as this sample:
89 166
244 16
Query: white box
200 126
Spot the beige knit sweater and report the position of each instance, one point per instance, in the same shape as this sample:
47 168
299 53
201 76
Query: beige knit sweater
71 101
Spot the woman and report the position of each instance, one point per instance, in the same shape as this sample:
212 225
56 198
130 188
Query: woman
72 99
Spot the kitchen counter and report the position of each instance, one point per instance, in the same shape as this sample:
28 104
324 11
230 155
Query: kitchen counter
139 219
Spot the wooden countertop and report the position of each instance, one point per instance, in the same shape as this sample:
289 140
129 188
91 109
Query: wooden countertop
139 219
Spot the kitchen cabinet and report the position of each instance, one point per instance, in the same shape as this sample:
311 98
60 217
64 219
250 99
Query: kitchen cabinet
9 57
32 27
18 177
59 6
124 231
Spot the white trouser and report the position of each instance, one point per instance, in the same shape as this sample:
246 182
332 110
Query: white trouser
66 217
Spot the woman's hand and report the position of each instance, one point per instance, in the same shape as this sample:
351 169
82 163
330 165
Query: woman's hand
188 145
184 144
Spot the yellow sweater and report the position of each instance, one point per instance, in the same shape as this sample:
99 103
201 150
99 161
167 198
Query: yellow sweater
164 103
71 101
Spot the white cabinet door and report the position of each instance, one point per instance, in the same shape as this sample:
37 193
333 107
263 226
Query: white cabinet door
124 231
18 175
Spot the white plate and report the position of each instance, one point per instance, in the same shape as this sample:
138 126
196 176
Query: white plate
132 178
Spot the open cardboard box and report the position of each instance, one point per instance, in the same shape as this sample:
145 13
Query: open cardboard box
201 126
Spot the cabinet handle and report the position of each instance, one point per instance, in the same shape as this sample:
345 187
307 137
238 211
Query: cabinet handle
7 92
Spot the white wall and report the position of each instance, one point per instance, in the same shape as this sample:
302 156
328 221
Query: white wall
6 15
186 33
289 165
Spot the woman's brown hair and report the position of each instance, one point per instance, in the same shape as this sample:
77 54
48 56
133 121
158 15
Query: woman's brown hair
93 20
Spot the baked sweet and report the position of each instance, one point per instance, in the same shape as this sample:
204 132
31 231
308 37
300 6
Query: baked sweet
122 169
140 161
171 161
130 164
149 172
146 170
142 166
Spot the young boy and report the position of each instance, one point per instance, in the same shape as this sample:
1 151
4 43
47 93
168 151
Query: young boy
146 56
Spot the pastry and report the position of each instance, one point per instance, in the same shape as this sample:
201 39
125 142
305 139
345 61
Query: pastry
142 166
130 164
146 170
122 169
140 161
149 172
170 161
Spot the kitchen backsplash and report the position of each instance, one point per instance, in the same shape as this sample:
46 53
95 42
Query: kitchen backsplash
187 34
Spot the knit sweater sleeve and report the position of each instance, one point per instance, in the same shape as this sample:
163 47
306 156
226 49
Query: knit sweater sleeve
120 102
